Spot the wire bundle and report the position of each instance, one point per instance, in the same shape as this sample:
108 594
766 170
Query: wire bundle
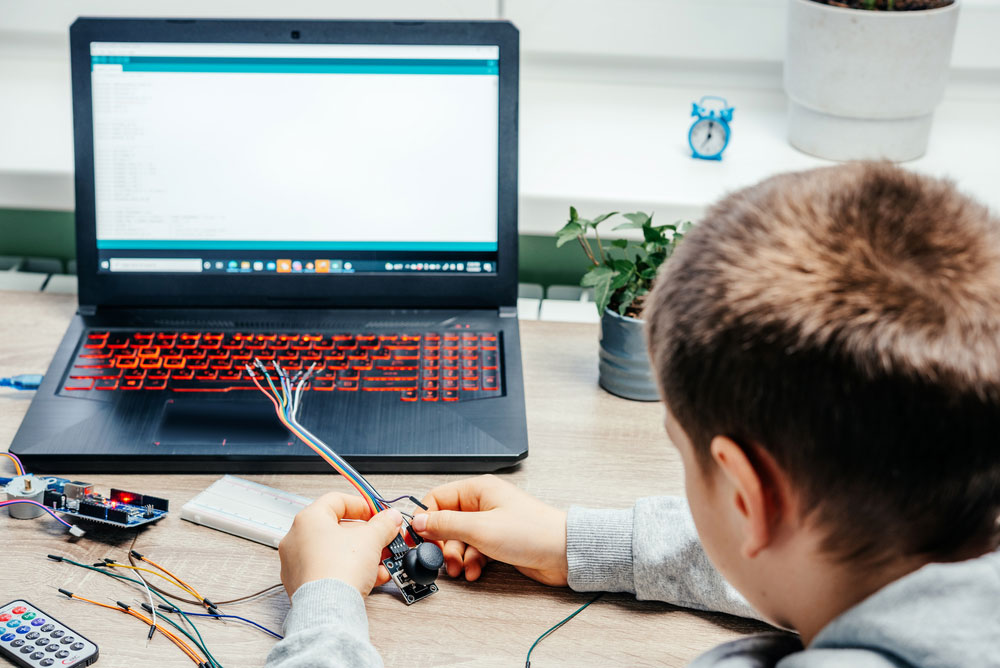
287 402
18 466
195 647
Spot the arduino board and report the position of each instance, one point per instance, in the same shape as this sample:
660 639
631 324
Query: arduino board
120 508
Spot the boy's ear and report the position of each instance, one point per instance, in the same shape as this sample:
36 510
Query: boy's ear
754 498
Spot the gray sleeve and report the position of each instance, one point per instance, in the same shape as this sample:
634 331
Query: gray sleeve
326 628
651 550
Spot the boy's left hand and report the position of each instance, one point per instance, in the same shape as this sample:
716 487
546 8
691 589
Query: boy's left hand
318 546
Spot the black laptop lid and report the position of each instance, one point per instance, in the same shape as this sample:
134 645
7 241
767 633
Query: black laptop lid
295 163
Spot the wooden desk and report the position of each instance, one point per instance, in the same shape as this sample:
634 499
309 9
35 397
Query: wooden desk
587 448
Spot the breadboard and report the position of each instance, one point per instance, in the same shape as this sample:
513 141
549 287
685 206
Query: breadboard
245 509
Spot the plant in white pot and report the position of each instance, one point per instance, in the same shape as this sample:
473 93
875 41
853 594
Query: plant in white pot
622 274
863 77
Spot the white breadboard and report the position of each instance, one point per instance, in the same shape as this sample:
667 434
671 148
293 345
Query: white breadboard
246 509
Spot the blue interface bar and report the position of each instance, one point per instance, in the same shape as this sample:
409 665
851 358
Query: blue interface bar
185 244
299 65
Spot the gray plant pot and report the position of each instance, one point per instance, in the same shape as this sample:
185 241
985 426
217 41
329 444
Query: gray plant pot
864 84
624 362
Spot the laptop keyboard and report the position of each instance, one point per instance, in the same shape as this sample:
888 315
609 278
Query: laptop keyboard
430 366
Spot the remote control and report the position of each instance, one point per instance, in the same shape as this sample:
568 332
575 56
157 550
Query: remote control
33 639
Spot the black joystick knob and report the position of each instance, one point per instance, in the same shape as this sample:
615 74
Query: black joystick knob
423 562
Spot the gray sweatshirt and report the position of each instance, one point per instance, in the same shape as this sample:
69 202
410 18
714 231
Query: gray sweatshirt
943 615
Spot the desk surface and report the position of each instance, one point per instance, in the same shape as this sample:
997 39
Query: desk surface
587 448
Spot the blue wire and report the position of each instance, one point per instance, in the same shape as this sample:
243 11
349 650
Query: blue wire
26 381
242 619
35 503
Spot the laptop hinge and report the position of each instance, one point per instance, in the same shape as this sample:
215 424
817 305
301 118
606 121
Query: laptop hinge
87 309
508 311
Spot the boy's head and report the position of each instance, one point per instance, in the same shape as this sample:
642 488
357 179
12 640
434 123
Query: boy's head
841 328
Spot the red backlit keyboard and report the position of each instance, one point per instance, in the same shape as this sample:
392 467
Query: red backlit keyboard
431 366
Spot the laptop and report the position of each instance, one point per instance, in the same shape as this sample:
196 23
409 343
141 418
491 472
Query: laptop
338 196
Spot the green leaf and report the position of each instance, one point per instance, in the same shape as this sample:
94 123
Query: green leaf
625 300
648 274
626 267
620 281
656 259
602 293
620 243
653 235
573 215
601 218
569 232
597 275
635 221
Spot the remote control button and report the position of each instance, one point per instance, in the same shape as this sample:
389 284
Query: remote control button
17 643
42 642
23 629
5 617
27 649
37 655
7 637
46 662
62 654
28 616
14 623
19 610
67 640
48 627
34 635
36 622
53 647
58 633
77 646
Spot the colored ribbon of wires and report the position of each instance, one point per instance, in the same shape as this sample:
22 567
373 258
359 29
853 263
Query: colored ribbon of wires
286 404
45 508
18 466
527 659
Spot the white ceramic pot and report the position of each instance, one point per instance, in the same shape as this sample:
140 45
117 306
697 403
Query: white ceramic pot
864 84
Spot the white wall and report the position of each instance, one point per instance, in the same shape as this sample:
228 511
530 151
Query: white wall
606 89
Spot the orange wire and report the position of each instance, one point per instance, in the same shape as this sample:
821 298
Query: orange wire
364 495
179 581
177 641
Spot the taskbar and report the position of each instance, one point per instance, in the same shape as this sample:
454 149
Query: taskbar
287 266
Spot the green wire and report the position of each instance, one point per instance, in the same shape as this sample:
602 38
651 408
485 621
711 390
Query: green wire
527 659
201 645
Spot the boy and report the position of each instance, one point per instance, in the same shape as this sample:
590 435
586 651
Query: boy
827 345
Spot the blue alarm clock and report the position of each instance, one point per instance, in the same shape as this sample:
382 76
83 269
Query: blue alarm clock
709 136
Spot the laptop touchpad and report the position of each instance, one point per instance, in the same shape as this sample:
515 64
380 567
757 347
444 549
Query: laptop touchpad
214 423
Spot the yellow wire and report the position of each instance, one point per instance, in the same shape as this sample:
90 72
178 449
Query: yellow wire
162 576
17 467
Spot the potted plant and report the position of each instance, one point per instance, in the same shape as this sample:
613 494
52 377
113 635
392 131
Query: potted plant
622 274
863 77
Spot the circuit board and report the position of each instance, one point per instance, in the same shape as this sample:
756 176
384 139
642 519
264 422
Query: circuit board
122 509
412 591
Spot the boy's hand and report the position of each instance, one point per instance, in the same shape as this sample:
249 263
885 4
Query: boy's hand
488 518
318 546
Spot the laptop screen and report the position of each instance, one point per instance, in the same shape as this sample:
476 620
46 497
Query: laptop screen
295 158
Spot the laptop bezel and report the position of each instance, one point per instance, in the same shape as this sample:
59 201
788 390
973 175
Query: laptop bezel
300 290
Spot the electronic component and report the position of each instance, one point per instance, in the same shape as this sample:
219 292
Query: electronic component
25 488
245 509
121 508
414 569
22 643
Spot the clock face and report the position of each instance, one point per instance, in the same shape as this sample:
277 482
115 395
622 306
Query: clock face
709 137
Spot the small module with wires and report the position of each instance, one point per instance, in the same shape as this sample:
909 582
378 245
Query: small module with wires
29 496
413 567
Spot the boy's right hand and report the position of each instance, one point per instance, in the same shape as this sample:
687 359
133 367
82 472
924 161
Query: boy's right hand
488 518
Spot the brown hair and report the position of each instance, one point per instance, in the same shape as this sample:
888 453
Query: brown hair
847 321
